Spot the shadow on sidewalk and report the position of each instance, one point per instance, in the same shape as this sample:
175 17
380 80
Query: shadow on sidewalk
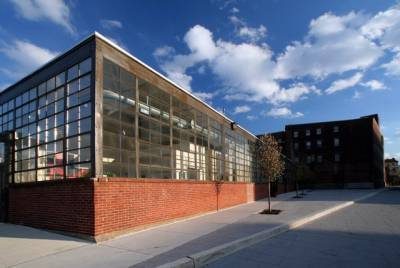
221 236
8 230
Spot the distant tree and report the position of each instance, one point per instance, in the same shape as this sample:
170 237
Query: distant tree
271 162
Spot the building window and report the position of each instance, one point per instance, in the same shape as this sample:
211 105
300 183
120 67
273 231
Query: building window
296 160
336 129
308 144
308 132
318 131
119 104
319 143
336 142
296 145
337 157
42 122
319 158
295 134
310 159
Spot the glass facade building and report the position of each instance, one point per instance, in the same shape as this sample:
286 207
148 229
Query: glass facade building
99 112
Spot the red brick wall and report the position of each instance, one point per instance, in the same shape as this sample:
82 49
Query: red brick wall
110 205
59 205
127 203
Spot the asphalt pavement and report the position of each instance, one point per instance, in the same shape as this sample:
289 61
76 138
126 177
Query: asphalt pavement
366 234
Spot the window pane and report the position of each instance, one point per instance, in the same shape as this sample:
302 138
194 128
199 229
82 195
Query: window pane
84 82
60 79
72 72
73 87
85 66
51 84
80 155
78 171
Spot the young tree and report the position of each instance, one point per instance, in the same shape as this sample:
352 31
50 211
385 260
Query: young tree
271 162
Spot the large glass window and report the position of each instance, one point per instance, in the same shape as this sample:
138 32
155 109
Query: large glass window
119 156
41 122
154 132
175 139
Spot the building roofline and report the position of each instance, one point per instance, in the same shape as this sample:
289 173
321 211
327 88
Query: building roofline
114 45
51 61
374 116
123 51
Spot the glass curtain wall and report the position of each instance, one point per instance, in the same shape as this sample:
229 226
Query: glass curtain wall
154 132
51 125
174 139
119 102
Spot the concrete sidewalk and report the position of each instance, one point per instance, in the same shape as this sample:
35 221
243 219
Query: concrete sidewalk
28 247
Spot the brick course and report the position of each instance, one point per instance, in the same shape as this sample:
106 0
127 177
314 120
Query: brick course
103 206
60 205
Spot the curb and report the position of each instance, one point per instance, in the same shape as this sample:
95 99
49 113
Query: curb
210 255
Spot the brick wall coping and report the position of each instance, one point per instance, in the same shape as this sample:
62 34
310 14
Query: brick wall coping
116 179
158 180
50 183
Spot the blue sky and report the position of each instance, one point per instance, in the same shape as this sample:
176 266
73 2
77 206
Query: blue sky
264 63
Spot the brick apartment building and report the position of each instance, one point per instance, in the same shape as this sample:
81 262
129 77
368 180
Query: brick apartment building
345 153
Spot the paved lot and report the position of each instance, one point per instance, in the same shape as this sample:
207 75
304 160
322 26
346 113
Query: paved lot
366 234
28 247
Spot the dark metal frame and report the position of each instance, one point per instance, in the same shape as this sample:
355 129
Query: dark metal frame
7 139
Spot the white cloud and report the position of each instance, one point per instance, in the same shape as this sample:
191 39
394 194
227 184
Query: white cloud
393 67
251 117
357 95
374 85
397 132
181 79
26 55
242 109
246 32
205 96
253 34
388 140
118 42
334 45
111 24
236 21
342 84
226 60
237 97
56 11
200 42
201 69
385 26
163 51
234 10
245 69
249 71
293 93
202 47
283 112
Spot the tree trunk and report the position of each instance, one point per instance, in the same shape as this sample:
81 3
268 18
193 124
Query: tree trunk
269 194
